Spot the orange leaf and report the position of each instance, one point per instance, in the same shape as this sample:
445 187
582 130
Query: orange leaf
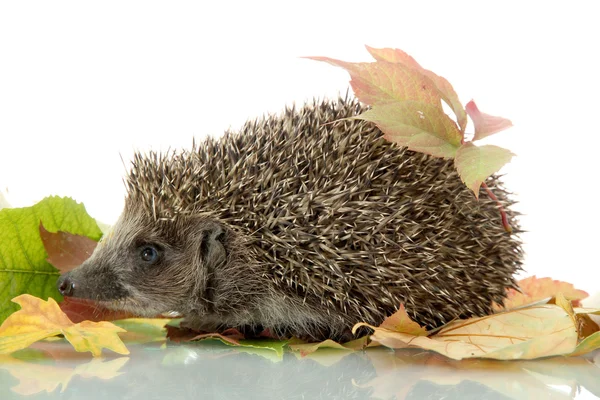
39 319
535 289
401 322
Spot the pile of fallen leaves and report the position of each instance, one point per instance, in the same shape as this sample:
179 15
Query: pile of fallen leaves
543 319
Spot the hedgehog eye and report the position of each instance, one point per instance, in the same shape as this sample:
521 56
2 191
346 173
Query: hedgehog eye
149 254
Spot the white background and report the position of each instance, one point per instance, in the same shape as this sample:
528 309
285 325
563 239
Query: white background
83 84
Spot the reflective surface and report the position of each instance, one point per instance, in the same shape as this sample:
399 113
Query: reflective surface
211 370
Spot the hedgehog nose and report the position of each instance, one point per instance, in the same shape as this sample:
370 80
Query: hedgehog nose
66 286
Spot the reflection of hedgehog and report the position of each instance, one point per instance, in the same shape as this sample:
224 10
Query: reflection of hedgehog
304 226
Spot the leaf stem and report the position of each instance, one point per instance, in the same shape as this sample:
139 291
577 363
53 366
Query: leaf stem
505 222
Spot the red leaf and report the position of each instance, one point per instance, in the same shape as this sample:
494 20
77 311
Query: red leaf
65 250
79 310
485 124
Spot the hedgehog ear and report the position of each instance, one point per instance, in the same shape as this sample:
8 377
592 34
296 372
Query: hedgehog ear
211 247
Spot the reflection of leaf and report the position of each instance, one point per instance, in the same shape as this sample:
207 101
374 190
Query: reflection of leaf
307 348
532 332
39 319
36 378
534 289
65 250
23 265
398 373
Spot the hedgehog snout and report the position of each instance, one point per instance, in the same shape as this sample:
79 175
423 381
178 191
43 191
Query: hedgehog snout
66 285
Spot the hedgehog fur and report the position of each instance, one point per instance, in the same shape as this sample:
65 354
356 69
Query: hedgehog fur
310 223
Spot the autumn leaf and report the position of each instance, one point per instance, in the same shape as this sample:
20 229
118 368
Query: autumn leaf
401 322
527 333
66 250
485 124
476 163
39 319
22 255
384 82
444 87
418 126
534 289
405 102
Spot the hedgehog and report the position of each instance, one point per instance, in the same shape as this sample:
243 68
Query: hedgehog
302 224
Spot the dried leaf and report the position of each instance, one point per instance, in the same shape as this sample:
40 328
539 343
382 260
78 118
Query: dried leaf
533 332
418 126
401 322
444 87
39 319
65 250
535 289
485 124
476 163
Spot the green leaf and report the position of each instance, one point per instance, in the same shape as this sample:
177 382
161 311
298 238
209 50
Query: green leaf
418 126
23 265
475 164
444 87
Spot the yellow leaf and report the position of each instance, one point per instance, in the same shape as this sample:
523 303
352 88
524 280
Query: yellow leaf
94 336
38 319
533 332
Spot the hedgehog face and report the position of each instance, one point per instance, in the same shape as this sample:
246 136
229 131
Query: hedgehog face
150 267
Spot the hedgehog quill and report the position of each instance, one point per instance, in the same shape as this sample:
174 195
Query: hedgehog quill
303 224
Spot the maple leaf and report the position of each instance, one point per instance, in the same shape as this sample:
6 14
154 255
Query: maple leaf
534 289
39 319
476 163
485 124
